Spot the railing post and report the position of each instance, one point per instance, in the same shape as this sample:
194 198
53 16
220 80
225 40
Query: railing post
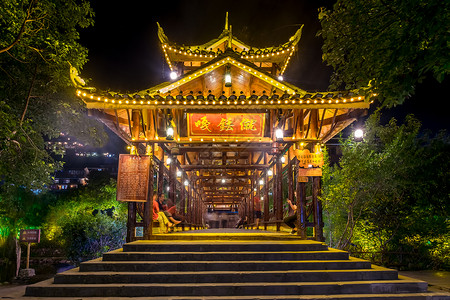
279 190
301 209
317 209
131 222
148 205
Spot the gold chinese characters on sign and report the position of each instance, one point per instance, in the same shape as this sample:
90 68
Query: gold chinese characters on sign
306 159
226 124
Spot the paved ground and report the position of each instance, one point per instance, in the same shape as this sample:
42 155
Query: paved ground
437 280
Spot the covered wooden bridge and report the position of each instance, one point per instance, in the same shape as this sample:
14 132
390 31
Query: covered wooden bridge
226 129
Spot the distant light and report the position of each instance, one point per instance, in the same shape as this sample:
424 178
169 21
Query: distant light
270 172
280 78
173 75
186 183
223 180
178 173
168 188
168 161
283 159
359 133
261 182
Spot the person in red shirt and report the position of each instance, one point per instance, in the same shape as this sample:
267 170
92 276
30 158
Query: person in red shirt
159 216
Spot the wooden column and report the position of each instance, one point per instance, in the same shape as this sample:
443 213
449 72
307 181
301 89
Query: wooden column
314 126
317 209
251 200
290 178
258 194
131 222
194 210
266 195
148 206
135 117
279 189
172 179
188 210
274 194
183 196
134 132
301 209
161 174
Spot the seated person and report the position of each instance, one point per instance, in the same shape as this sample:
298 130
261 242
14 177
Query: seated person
291 220
163 208
242 222
158 215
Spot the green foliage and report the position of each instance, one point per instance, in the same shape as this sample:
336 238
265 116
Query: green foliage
89 236
390 193
87 222
386 47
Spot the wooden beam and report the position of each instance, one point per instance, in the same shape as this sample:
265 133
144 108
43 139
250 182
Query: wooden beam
227 167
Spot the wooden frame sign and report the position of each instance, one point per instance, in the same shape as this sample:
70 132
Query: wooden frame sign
133 178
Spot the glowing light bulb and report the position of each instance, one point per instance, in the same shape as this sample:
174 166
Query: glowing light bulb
173 75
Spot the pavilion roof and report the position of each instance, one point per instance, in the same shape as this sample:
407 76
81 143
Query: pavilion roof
253 88
226 41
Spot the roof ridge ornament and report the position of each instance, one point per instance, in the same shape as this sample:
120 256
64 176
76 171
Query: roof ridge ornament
162 37
296 37
230 39
226 21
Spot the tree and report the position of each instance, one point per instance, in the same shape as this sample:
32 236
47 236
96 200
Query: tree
390 192
385 48
38 40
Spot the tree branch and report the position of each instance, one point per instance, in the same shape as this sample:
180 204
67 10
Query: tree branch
28 96
22 29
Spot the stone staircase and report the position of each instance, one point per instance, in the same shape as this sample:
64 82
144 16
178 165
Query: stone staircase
231 266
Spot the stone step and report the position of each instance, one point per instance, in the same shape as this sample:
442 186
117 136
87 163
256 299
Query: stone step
231 266
76 277
170 266
230 236
225 256
221 245
226 289
400 296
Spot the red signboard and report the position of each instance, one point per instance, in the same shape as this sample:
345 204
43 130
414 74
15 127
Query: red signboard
226 124
133 178
30 235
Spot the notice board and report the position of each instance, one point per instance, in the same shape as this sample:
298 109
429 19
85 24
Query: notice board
133 178
30 235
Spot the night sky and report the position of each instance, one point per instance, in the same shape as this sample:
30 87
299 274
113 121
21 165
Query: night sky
125 54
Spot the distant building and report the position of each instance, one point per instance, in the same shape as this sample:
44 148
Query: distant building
79 161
